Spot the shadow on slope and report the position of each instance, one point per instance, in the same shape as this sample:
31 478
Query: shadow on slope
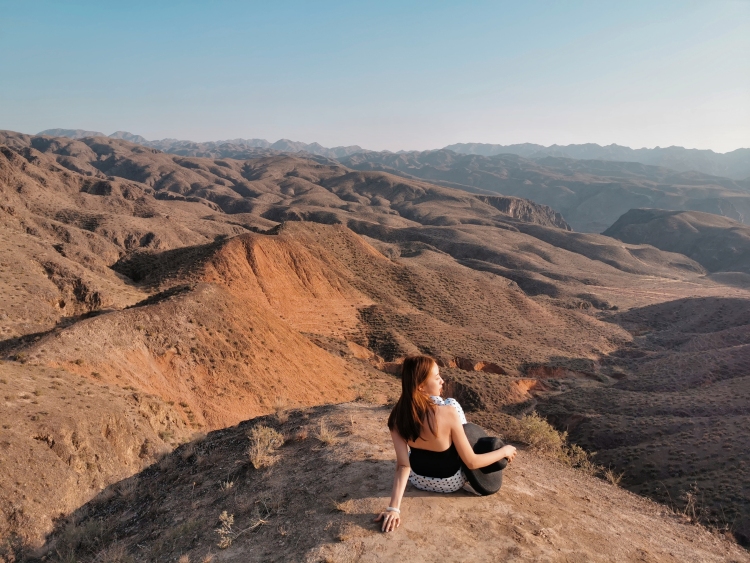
675 416
718 243
66 436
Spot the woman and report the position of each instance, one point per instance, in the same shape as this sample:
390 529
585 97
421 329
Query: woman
435 435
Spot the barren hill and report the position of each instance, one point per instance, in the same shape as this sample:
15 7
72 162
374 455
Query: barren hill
192 293
267 190
590 194
316 503
718 243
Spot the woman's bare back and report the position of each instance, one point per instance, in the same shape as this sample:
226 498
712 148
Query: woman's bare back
443 440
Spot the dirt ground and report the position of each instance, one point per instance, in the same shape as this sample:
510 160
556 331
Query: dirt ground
317 503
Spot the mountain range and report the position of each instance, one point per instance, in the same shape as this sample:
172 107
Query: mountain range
232 148
734 164
590 194
150 298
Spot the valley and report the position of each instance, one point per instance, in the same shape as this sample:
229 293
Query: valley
169 297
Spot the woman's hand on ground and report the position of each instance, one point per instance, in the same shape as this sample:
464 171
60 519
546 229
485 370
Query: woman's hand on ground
391 521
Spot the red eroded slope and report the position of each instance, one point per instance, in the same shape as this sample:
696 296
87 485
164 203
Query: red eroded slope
220 357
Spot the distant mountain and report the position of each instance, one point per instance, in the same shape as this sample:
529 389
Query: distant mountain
233 148
735 164
717 243
73 133
125 136
590 194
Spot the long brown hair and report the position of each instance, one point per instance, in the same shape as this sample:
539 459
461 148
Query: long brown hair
413 408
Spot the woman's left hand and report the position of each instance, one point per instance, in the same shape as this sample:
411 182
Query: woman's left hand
391 520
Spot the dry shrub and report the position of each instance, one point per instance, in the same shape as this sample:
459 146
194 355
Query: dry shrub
225 531
612 476
263 444
87 536
128 488
115 553
187 452
575 456
694 508
536 432
281 408
540 435
166 463
12 549
326 435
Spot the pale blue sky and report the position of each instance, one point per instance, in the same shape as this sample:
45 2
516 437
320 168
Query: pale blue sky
384 75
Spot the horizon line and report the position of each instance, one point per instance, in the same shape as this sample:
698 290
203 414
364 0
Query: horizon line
389 150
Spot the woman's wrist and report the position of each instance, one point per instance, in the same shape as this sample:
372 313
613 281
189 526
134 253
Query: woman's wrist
393 509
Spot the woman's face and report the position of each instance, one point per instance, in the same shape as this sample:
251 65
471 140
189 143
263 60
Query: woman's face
433 385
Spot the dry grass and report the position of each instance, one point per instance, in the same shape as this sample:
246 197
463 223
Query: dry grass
115 553
536 432
225 530
612 476
326 435
128 488
540 435
575 456
264 442
281 409
227 533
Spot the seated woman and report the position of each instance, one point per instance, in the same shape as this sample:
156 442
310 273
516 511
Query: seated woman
434 433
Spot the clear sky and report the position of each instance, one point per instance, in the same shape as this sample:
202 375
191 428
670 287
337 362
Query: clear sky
384 75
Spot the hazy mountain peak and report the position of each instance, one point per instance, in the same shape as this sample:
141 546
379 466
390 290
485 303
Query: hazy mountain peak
125 136
71 133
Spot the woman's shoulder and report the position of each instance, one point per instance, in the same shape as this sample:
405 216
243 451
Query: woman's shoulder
446 411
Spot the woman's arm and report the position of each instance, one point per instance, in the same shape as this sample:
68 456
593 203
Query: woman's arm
466 452
392 518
